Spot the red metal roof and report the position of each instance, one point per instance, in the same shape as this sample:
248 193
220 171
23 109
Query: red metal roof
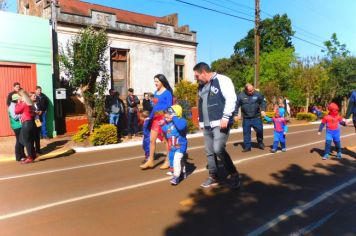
84 8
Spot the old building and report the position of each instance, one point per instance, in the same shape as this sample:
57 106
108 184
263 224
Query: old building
141 46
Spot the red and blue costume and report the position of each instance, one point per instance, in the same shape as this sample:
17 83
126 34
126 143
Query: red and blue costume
280 129
332 121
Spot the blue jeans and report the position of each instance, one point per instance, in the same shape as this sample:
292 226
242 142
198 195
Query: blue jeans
215 144
279 137
132 123
114 119
256 124
44 127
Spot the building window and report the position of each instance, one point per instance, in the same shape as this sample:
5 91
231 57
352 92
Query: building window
119 69
178 68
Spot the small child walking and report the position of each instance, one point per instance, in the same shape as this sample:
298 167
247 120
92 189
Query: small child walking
175 130
280 130
146 135
332 121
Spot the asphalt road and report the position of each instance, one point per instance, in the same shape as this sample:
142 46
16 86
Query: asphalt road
105 193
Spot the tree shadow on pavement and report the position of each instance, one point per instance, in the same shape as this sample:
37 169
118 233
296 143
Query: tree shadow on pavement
224 211
53 146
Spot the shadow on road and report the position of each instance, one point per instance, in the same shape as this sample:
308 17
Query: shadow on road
53 146
223 211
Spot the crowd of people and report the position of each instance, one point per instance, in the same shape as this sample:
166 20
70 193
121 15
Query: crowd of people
218 107
27 113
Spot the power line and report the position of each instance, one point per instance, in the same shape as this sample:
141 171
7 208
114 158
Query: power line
231 9
242 18
210 9
309 42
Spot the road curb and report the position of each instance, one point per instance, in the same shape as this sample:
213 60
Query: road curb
138 143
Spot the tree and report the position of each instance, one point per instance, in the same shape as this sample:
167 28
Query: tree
275 33
276 72
3 5
335 48
342 72
308 77
84 63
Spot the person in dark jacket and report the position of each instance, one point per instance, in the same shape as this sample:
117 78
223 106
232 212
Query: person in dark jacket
132 120
252 105
351 109
42 102
16 89
147 104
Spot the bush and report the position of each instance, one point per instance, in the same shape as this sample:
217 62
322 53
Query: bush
82 134
306 116
191 127
186 90
235 125
104 134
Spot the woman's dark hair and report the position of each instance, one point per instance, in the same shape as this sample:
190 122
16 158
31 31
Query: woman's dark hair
164 81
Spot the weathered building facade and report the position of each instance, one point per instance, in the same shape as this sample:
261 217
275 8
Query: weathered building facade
141 46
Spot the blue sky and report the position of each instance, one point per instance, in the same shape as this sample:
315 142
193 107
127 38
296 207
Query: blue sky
314 21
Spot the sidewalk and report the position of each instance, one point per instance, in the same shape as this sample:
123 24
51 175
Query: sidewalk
63 145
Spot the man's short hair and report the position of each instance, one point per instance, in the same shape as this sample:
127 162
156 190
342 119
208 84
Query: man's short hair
38 87
16 83
202 66
111 90
131 90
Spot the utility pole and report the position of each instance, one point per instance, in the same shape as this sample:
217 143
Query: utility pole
257 43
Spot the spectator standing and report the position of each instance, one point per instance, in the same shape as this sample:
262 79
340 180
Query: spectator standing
217 100
147 104
132 109
15 124
25 108
113 107
38 124
287 106
42 101
253 105
16 89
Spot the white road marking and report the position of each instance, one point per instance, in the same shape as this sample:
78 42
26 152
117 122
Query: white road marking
300 209
315 225
115 161
116 190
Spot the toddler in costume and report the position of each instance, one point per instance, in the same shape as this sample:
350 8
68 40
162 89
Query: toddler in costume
280 130
332 121
175 129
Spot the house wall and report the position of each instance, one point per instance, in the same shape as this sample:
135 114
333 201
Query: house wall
147 57
27 39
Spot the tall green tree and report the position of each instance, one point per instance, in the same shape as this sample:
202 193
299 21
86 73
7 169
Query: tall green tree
84 63
276 33
342 72
308 76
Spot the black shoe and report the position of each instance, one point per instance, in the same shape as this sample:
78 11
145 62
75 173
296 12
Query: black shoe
246 150
261 146
235 182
